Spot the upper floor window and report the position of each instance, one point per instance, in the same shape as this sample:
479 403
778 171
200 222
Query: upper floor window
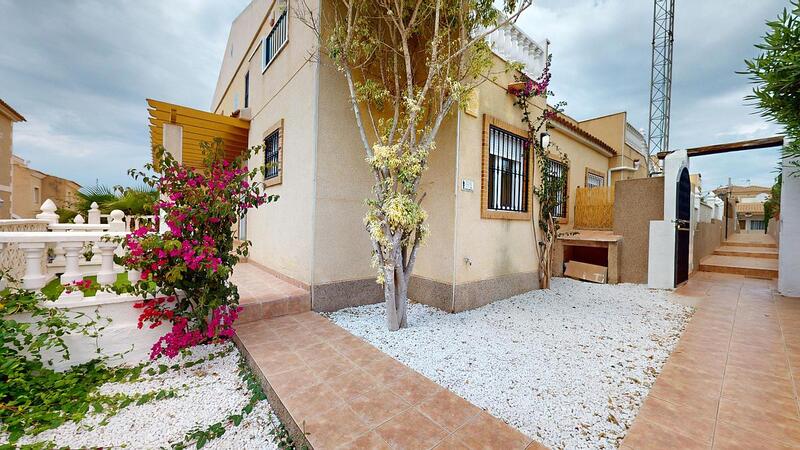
37 197
508 171
247 90
559 170
274 41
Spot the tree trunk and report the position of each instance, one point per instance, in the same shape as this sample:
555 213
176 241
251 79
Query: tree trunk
390 297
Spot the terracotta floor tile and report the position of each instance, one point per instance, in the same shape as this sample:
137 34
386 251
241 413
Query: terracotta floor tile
731 437
783 406
377 406
451 443
448 410
266 350
278 362
694 423
311 401
316 351
711 364
646 435
353 383
331 428
413 387
363 356
292 381
766 386
368 441
387 369
485 432
411 431
690 380
332 366
772 426
705 401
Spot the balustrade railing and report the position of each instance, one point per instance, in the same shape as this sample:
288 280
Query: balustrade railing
36 251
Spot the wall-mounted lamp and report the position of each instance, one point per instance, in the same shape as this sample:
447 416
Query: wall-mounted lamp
636 164
544 139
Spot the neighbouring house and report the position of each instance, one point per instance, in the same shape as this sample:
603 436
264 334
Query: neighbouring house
749 206
30 188
23 189
8 116
595 161
478 188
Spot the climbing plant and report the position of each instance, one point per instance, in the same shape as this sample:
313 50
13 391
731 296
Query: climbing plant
550 191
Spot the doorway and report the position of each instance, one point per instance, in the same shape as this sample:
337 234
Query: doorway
682 227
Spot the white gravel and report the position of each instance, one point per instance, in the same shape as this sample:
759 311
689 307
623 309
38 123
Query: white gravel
569 366
206 393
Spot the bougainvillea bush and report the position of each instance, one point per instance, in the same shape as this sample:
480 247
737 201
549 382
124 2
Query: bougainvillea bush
186 268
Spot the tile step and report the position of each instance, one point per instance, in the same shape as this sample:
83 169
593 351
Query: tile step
748 244
269 309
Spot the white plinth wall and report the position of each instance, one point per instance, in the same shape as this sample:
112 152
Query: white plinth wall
661 248
789 255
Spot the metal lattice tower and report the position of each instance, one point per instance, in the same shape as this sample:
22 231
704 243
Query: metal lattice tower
660 78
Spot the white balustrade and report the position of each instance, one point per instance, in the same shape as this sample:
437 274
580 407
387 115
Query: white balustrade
33 277
94 214
34 244
48 212
512 44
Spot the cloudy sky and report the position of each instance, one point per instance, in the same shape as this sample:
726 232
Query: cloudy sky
80 71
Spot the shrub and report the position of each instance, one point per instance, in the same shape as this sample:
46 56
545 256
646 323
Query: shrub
185 270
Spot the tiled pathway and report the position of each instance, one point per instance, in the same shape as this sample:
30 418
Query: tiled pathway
733 380
343 393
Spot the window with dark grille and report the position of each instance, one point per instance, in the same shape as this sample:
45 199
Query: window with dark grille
594 180
557 170
272 154
247 89
757 225
508 171
274 41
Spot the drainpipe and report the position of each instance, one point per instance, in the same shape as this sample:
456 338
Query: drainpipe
635 167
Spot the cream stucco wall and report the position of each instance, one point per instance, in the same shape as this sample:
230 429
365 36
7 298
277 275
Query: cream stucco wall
281 232
488 248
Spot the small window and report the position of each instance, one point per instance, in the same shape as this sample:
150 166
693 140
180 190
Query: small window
757 225
37 197
274 41
594 180
558 169
247 90
272 157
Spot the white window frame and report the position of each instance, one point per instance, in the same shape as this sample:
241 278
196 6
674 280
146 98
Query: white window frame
264 63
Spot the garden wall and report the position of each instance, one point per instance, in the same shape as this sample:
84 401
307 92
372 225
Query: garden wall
774 229
636 203
120 340
707 237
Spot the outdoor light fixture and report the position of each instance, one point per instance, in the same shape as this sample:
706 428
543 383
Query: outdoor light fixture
544 139
636 164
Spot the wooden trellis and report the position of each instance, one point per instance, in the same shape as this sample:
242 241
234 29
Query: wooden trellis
594 208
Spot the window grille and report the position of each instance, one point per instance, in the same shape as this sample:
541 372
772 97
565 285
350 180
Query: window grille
274 41
558 169
593 180
272 154
508 171
757 225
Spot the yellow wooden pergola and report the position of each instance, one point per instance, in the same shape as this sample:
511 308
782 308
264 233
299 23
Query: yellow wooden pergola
198 126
